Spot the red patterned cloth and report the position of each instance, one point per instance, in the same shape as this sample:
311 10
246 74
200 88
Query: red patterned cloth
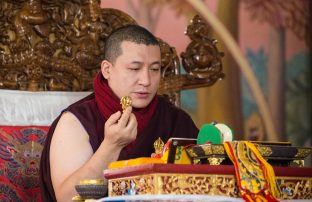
20 152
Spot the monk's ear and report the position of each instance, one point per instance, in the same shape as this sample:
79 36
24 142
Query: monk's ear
105 68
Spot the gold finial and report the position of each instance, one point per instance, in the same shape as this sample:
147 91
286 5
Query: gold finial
158 146
125 102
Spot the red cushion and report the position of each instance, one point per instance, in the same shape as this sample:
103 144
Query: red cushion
11 192
20 151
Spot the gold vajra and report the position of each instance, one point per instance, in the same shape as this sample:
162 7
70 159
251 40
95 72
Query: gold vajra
158 145
125 102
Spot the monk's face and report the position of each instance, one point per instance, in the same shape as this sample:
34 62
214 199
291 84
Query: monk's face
136 73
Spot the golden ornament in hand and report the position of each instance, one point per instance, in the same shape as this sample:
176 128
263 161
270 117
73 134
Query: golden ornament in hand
125 102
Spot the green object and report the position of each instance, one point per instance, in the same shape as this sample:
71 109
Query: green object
209 133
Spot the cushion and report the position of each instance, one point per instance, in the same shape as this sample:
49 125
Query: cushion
20 152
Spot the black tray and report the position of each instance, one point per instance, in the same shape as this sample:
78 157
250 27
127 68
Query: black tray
278 154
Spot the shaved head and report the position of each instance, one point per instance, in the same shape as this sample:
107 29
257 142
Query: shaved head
131 33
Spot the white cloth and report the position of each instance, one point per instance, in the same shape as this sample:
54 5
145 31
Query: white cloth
170 197
22 108
177 198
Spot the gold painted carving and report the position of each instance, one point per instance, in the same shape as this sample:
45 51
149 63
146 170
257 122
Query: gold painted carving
215 161
218 149
59 45
303 152
264 151
295 188
175 184
191 153
210 184
210 149
299 163
202 57
144 184
53 45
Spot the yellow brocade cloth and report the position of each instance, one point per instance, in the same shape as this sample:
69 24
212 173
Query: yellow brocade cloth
255 177
134 162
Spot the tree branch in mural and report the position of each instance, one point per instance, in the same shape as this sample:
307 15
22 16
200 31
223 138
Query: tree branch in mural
281 15
290 14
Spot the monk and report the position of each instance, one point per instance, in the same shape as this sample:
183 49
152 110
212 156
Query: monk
95 131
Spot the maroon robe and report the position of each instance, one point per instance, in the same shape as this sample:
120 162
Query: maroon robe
167 121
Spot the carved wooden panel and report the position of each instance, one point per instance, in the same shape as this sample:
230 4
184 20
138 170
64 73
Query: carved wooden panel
58 45
207 184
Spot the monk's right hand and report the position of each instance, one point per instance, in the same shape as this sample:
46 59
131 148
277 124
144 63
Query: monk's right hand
121 128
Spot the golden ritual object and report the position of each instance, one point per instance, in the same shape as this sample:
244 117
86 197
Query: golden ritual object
91 182
158 145
125 102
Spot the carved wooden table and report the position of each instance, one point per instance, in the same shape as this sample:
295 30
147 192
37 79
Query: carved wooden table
295 182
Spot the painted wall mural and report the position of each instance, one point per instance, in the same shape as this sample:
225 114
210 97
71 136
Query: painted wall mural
281 62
